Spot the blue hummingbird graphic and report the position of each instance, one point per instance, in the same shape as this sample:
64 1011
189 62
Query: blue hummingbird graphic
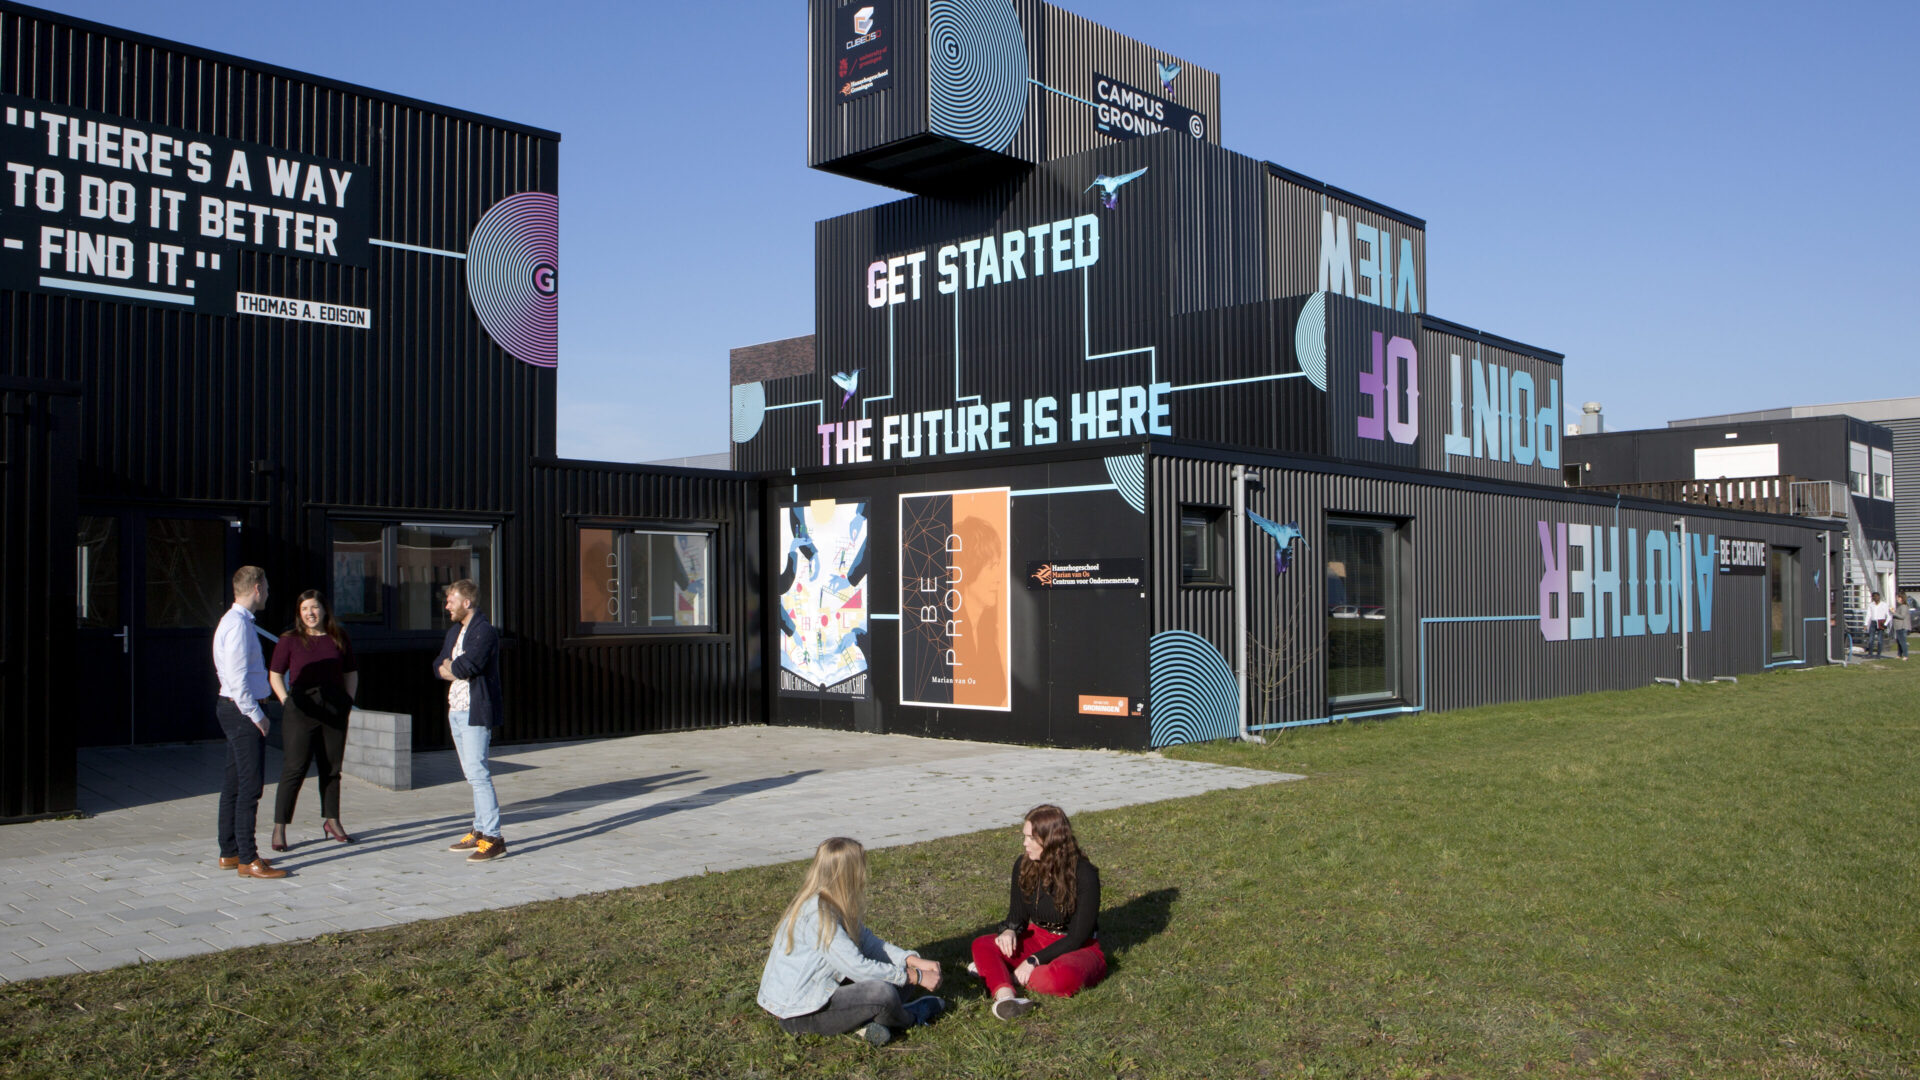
847 382
1283 537
1110 185
1167 73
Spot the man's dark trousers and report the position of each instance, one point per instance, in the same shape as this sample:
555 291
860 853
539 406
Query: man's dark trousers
240 790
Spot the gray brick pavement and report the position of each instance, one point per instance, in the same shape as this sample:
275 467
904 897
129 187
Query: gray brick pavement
137 880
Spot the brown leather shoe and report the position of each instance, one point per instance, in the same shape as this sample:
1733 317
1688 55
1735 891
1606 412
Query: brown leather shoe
261 868
229 862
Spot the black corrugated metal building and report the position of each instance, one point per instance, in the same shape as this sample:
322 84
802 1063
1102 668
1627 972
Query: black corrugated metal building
1112 436
254 316
1836 466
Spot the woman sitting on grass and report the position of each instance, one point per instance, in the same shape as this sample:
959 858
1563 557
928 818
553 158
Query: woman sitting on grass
827 974
1049 943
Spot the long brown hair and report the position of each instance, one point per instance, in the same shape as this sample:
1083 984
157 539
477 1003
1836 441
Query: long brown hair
327 624
838 877
1059 860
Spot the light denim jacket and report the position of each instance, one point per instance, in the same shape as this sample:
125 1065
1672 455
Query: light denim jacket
799 982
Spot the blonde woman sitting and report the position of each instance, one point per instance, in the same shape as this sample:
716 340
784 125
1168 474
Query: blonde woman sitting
827 974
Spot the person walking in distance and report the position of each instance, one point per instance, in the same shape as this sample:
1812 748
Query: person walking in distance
1879 619
470 663
1902 621
243 719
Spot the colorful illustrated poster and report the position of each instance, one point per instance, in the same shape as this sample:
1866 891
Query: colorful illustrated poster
955 600
823 600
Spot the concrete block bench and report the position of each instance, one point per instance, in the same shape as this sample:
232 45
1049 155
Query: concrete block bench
380 749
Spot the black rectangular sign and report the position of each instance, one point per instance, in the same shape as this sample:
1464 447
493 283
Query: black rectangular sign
1742 556
99 205
1127 112
863 48
1087 574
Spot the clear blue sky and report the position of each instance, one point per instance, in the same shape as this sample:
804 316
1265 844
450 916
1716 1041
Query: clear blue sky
1707 207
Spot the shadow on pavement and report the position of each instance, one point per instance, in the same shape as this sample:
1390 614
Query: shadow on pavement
637 815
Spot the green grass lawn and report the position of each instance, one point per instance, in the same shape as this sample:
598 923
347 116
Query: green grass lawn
1712 881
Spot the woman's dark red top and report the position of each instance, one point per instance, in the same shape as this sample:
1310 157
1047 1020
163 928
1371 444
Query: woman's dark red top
312 660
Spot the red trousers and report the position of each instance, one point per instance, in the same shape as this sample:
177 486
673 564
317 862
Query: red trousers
1064 976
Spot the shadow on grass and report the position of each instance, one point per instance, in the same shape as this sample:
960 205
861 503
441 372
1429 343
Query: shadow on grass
1121 929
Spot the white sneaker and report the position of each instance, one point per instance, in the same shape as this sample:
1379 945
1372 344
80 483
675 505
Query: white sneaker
973 968
1009 1007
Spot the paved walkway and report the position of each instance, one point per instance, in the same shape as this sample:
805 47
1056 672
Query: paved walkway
137 880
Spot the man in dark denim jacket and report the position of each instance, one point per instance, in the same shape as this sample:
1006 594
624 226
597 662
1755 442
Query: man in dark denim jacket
470 664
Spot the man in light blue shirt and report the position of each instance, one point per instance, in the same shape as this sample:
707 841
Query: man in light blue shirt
243 718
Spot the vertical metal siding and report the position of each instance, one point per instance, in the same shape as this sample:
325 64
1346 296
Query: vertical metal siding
885 136
1066 51
420 417
1437 348
1472 552
1906 496
38 511
1294 215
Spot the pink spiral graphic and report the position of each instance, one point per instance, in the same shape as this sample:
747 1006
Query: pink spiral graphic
513 276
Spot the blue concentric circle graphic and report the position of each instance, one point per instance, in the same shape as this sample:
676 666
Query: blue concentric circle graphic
977 71
513 276
1129 475
1310 340
1193 694
749 410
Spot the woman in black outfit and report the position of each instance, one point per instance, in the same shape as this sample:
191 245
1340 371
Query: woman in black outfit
314 675
1050 941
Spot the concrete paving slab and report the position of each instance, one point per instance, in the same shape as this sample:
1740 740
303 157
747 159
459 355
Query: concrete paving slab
579 818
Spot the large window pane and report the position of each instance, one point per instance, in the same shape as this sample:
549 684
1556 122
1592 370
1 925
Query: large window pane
359 571
667 581
1362 616
98 550
187 580
600 591
428 558
1783 609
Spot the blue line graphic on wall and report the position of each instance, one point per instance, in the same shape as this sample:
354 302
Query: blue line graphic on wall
1192 693
1283 538
1110 185
1168 72
749 410
1129 475
1310 339
977 68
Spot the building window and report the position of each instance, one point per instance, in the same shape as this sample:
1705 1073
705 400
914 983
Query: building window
1883 474
395 575
1203 546
645 581
1858 469
1783 604
1363 611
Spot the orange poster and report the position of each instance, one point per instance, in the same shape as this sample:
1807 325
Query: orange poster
955 600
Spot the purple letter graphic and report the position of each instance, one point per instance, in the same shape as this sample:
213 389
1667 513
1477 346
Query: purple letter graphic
1373 384
1553 581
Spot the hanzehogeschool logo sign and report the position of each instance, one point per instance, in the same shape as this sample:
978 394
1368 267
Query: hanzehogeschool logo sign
863 49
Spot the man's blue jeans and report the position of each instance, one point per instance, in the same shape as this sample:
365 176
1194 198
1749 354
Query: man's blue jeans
471 743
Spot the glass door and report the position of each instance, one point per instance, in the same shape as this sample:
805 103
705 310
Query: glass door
103 695
152 587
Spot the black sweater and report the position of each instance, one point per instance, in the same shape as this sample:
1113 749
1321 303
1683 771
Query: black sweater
1040 909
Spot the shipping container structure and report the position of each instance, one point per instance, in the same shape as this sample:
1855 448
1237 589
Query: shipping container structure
1835 467
1112 436
1901 416
254 316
